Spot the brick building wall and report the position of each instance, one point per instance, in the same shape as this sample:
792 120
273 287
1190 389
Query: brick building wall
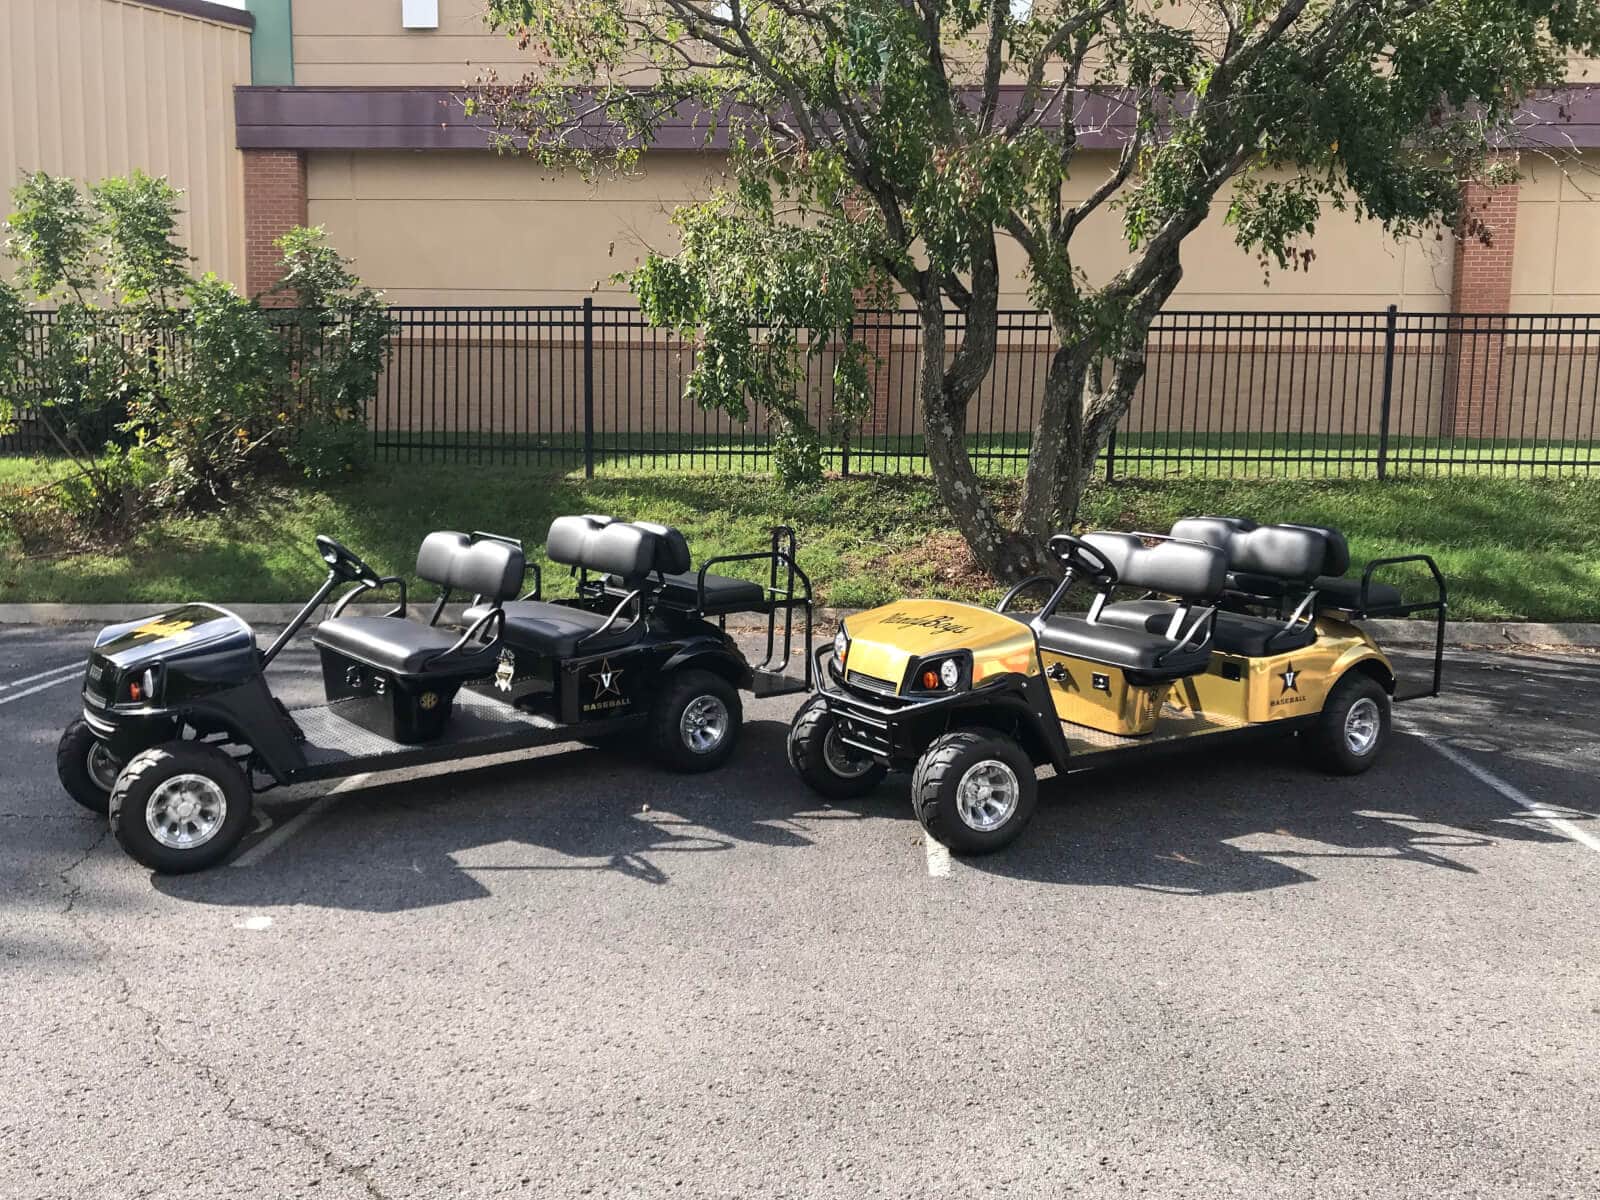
1486 245
274 202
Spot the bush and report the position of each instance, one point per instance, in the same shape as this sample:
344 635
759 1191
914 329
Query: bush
201 381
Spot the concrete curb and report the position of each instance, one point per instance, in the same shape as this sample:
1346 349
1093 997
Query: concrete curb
1390 633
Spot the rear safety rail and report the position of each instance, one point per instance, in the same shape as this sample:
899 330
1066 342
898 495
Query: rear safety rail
787 588
1439 606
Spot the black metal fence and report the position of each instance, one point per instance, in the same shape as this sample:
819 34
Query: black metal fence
1225 393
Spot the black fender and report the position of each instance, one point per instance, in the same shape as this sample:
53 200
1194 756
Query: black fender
1018 706
716 653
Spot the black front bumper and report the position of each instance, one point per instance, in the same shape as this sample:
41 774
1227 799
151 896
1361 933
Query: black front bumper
894 733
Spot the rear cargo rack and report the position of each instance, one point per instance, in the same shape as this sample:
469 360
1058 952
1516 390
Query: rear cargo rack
787 588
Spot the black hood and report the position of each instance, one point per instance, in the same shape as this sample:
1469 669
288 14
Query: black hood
176 632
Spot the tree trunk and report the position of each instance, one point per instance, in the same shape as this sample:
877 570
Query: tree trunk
944 395
1057 435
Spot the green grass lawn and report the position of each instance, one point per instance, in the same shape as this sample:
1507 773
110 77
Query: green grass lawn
1197 454
1520 549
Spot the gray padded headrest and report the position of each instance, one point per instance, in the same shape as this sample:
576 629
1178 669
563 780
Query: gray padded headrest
437 555
488 568
1175 568
672 549
1297 552
610 547
1337 561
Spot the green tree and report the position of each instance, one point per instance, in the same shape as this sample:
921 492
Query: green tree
905 140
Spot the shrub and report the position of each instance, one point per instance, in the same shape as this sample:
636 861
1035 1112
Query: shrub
199 379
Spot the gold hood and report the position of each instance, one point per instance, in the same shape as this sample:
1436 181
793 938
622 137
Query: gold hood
884 641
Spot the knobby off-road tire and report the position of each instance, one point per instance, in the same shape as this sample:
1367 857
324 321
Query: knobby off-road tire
825 764
1353 727
694 722
974 790
180 807
85 767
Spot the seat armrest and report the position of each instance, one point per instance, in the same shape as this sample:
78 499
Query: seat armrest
385 581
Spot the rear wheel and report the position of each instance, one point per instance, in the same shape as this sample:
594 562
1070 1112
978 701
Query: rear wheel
86 767
1353 727
974 790
822 760
180 807
695 721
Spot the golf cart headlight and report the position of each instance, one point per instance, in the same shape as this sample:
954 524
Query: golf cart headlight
950 673
143 689
841 644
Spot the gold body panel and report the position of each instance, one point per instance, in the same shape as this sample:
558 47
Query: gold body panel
885 640
1101 697
1280 686
1233 690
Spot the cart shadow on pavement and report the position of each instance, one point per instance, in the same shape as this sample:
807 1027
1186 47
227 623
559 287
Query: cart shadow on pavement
441 839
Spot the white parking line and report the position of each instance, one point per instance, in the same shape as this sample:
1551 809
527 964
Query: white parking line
1521 799
76 666
38 687
938 855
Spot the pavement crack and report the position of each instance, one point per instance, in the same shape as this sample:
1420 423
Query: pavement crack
75 888
197 1067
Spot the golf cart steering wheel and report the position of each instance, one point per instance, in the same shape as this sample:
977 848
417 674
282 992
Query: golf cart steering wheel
1083 559
343 563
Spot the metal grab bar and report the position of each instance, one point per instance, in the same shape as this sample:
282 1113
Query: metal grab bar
363 586
496 615
1031 581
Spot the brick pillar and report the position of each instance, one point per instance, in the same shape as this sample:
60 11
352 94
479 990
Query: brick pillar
1486 241
274 202
875 331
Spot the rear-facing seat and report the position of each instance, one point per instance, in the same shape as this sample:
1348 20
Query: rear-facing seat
1150 650
490 569
677 584
1335 591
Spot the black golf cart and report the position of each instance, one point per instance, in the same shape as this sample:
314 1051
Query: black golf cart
180 728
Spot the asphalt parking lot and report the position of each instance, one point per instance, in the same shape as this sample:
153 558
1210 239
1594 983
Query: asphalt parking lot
572 974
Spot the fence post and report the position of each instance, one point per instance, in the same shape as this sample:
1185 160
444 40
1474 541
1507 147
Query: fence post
1111 455
1389 328
588 387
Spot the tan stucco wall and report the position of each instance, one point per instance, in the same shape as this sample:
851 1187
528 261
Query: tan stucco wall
91 88
475 228
362 42
466 228
1556 267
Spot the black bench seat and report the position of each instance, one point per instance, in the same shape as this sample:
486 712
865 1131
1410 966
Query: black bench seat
724 594
546 628
1135 650
1233 633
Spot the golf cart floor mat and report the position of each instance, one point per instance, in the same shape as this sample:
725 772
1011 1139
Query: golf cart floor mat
1173 725
330 739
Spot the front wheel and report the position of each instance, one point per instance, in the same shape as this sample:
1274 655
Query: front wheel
1353 726
974 790
85 767
180 807
822 760
695 721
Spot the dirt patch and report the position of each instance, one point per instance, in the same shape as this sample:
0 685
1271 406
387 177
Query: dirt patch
941 561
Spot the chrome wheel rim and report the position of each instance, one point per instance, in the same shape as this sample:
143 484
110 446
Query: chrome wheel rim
102 768
844 761
987 795
186 811
1361 726
704 724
